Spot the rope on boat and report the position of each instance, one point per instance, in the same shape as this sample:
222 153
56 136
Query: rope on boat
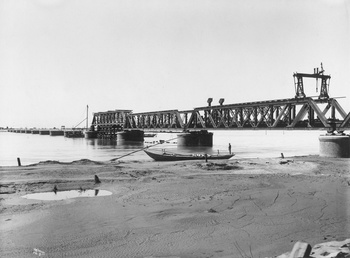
161 142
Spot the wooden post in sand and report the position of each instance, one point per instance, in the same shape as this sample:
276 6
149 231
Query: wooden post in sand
97 180
19 162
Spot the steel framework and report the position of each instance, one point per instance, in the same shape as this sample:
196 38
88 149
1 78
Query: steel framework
283 113
298 112
318 74
108 123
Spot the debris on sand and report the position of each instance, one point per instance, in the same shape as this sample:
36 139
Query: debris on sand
86 162
286 161
333 249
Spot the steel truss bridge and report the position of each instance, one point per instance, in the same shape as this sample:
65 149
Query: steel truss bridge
298 112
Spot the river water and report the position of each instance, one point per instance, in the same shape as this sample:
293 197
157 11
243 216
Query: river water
33 148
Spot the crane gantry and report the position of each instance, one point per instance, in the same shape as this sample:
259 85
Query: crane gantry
318 74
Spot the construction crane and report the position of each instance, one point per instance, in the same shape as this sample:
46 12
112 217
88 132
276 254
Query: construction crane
318 74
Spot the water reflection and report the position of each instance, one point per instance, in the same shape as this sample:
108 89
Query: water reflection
101 142
113 143
62 195
130 143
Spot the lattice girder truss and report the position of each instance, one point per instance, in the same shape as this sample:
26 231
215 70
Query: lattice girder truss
115 119
272 114
284 113
156 120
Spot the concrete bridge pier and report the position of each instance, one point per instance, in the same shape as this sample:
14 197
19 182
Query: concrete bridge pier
44 132
91 133
131 135
335 146
195 138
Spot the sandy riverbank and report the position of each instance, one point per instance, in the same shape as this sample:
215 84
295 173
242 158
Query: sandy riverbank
252 207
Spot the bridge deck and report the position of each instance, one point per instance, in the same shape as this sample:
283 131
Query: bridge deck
290 113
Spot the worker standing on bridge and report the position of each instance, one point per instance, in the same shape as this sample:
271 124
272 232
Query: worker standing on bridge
229 148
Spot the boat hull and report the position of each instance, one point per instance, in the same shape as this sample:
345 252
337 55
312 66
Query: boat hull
178 157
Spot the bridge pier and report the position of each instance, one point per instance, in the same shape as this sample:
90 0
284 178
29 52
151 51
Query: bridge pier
90 134
195 138
56 133
131 135
335 146
44 132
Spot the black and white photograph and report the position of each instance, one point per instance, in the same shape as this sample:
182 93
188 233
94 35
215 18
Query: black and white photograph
175 128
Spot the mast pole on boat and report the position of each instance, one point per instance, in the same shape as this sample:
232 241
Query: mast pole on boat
87 117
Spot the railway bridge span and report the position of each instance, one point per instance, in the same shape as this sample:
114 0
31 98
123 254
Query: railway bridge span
279 114
300 112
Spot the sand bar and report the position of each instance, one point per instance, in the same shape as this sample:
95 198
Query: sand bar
235 208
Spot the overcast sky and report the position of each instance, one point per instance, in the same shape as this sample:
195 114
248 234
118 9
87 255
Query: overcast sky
57 56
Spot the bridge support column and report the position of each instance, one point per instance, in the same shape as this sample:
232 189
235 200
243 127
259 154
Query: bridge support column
91 134
195 138
335 146
131 135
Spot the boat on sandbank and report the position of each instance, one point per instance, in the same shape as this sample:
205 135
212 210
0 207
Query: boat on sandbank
170 156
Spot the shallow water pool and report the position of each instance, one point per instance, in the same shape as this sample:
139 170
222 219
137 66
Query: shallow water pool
62 195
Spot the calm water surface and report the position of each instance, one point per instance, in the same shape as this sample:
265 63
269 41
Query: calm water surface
33 148
63 195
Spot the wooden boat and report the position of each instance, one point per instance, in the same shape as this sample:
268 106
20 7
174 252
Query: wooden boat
168 156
